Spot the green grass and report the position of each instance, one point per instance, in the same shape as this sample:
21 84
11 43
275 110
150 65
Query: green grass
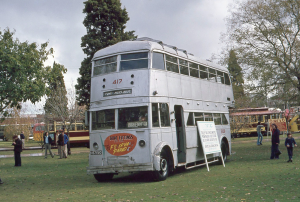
249 175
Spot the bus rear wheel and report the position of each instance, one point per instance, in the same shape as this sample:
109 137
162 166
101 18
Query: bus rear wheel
103 177
163 173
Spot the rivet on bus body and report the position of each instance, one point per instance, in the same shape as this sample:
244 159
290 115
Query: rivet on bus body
155 92
216 105
188 103
103 86
132 82
198 103
207 104
132 76
104 80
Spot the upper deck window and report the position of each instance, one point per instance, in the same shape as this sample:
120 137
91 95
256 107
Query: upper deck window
172 64
134 61
220 77
194 72
105 65
183 65
158 61
226 78
212 74
203 72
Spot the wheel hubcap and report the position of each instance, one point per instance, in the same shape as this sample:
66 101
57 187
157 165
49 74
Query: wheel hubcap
163 165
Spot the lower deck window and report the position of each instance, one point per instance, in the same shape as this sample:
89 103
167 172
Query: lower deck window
104 119
218 118
133 117
160 115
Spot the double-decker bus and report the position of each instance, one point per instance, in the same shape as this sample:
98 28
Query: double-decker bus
244 121
78 133
146 98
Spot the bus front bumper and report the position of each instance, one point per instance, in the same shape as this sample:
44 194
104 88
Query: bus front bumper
120 168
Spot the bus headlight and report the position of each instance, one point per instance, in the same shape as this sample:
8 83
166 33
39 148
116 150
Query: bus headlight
95 146
142 143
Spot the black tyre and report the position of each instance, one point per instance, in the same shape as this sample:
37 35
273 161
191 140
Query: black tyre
163 173
103 177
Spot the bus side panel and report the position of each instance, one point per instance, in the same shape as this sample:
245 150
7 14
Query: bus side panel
194 146
158 83
174 86
186 87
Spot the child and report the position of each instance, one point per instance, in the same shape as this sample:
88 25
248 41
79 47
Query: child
290 143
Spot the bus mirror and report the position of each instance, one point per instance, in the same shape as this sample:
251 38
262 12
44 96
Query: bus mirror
87 118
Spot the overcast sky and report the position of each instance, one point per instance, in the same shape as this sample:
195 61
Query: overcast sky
193 25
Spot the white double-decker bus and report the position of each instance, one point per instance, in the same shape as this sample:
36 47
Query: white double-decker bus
146 98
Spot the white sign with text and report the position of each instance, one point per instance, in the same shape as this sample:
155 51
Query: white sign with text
209 139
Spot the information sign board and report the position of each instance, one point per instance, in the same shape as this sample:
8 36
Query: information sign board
209 139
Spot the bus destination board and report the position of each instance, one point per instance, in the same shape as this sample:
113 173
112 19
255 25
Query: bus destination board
117 92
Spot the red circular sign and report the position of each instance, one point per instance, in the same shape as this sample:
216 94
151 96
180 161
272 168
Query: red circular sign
120 144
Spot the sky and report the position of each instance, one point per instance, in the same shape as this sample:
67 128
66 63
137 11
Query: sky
192 25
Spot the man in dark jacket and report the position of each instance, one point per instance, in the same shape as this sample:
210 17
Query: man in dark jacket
47 144
17 150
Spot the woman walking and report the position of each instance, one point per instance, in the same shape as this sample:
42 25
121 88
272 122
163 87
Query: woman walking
275 142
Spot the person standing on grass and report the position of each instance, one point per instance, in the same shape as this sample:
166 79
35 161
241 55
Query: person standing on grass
290 143
47 143
275 142
1 182
22 136
60 146
66 140
259 135
17 150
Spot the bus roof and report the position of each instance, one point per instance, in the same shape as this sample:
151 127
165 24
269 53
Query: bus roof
149 44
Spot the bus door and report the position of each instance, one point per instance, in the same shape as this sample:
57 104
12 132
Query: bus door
181 134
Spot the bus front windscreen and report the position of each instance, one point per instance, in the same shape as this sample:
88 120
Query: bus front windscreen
133 117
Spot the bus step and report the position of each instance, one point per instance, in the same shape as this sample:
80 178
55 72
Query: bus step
181 164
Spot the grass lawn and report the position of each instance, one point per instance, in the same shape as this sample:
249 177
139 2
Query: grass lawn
249 175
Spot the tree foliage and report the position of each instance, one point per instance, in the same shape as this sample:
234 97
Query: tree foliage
22 71
265 36
56 105
237 75
17 123
105 24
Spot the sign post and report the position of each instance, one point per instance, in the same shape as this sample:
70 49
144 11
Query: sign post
209 139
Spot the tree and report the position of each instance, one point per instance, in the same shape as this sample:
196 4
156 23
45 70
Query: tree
237 75
62 106
56 105
265 36
17 123
22 71
105 24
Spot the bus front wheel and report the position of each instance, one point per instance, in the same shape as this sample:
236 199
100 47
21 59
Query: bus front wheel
103 177
163 173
